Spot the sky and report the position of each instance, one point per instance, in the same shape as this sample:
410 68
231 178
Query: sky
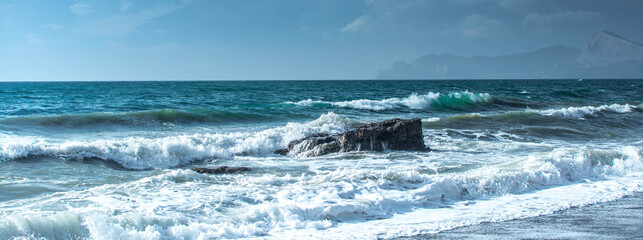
282 39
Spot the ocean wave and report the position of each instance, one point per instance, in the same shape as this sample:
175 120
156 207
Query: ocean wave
158 153
581 112
569 112
364 203
547 125
361 195
452 100
136 118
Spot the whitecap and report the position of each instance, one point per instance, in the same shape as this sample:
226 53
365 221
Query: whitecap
414 101
167 152
580 112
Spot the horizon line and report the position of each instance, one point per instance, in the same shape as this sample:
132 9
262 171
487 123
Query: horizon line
315 80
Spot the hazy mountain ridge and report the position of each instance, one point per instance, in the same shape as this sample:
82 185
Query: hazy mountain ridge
605 48
605 55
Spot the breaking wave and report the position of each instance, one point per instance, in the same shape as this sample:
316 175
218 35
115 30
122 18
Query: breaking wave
581 112
355 203
453 100
158 153
534 115
579 123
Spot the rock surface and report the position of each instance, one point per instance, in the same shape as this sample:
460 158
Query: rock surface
394 134
221 170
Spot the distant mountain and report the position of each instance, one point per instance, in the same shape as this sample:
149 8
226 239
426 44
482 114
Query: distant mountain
605 55
606 48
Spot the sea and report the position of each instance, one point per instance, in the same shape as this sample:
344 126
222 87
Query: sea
112 160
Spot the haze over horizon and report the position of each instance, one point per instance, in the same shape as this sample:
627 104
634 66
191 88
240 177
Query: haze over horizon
289 40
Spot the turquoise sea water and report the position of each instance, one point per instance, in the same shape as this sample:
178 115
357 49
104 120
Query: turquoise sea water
110 160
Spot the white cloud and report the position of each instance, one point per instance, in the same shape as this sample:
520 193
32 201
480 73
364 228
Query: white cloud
81 8
356 24
543 23
125 6
478 25
160 31
52 26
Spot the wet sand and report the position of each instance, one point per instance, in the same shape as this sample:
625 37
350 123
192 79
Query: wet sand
621 219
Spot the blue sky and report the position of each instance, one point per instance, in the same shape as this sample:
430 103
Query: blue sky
282 39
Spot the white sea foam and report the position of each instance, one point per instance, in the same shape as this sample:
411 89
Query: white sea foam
414 101
31 226
167 152
480 141
581 112
346 202
433 119
307 102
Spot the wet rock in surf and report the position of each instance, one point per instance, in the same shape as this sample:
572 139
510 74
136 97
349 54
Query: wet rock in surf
221 170
394 134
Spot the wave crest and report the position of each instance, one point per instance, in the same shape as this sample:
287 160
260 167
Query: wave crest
581 112
157 153
452 100
569 112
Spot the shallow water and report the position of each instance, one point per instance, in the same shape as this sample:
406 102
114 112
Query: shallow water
619 219
105 160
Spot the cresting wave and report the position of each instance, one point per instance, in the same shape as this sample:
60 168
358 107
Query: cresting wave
564 113
581 112
453 100
159 153
337 203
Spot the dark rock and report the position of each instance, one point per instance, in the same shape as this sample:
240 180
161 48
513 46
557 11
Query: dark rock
282 151
221 170
394 134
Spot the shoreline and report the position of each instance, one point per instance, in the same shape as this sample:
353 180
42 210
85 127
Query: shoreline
620 219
